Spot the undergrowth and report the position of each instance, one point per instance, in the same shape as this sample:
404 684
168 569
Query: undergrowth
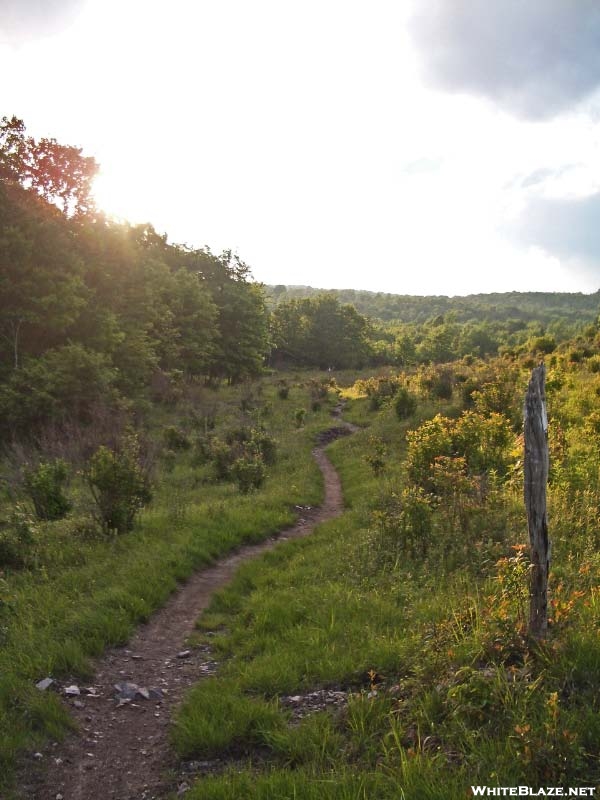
428 640
80 590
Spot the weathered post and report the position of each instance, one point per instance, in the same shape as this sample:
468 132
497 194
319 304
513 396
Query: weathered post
536 478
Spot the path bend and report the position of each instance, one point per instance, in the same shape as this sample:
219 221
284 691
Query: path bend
123 753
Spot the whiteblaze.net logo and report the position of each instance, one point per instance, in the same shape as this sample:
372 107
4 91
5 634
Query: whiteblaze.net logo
529 791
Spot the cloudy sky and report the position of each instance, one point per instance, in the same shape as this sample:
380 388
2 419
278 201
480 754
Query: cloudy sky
438 147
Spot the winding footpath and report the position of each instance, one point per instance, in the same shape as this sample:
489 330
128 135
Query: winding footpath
122 752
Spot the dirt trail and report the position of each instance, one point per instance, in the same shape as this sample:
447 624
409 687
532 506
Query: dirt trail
122 752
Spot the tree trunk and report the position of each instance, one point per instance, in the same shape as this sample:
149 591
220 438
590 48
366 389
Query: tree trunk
536 479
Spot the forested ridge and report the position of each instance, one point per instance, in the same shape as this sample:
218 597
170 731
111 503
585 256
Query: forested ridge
545 307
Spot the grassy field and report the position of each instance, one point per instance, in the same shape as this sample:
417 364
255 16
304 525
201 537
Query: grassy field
443 688
410 607
83 591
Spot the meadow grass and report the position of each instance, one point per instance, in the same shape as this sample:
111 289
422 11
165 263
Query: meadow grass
444 688
85 592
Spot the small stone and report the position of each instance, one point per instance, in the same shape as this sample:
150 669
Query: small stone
127 690
58 796
184 654
58 761
38 756
72 691
78 704
45 684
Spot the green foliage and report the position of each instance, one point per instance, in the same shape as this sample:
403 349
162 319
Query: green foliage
18 534
376 455
243 456
118 485
176 439
45 484
249 472
405 404
437 383
320 332
66 383
300 417
58 173
403 525
484 442
512 310
264 444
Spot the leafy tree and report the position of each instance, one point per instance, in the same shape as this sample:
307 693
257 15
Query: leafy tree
64 383
322 332
241 341
58 173
42 291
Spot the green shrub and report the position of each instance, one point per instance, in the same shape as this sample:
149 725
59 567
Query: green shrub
17 536
176 439
265 444
283 391
249 472
221 455
404 524
202 450
45 485
441 387
118 484
405 403
67 382
244 445
375 402
376 457
239 435
169 459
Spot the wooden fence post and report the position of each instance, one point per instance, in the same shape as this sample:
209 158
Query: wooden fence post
536 478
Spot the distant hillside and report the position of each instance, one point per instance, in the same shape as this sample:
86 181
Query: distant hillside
545 307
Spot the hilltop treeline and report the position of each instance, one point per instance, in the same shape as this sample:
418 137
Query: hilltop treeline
406 330
547 308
